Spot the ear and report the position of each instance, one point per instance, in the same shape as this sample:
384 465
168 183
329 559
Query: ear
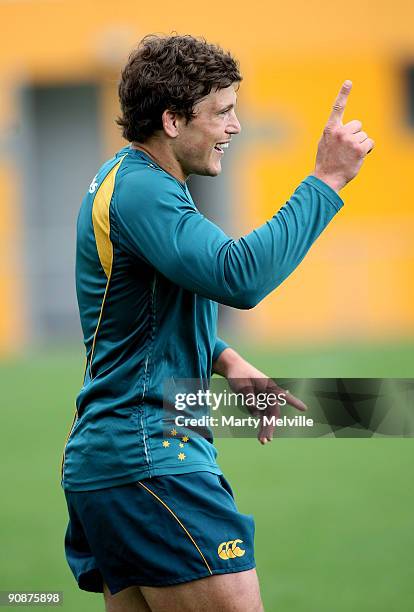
171 123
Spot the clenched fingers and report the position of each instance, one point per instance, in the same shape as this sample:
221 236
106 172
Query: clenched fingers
368 145
361 136
352 127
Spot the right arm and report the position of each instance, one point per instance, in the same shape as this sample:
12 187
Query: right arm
157 222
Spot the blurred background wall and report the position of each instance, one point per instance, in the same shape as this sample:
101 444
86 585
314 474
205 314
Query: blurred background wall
59 66
334 521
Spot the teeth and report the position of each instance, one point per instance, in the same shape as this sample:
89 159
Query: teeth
221 146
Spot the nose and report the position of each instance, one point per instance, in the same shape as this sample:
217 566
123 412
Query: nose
234 126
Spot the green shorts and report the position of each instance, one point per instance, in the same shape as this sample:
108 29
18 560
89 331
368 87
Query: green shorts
156 532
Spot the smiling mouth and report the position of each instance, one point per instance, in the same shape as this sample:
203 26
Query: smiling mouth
221 145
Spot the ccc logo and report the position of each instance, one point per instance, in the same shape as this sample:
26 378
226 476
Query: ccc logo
93 185
230 550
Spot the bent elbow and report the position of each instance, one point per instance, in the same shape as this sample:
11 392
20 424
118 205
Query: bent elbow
245 300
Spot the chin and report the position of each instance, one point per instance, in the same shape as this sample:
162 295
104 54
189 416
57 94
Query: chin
213 170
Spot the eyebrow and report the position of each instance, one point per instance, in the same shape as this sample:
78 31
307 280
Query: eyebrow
226 108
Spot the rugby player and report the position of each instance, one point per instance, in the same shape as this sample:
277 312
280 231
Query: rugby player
153 522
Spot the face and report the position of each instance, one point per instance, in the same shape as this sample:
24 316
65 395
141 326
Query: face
201 143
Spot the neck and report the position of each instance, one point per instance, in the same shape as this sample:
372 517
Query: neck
162 156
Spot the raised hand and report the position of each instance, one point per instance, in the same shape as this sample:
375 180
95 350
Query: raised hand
342 148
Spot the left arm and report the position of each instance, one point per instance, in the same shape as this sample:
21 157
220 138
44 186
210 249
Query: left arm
220 346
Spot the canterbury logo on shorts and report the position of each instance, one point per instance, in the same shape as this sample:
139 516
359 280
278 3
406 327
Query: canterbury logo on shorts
230 550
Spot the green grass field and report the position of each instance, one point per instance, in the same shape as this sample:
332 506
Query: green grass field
334 517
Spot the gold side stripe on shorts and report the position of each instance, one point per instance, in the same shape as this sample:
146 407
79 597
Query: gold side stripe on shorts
179 522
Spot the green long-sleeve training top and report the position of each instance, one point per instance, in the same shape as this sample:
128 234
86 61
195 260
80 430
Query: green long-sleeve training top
150 272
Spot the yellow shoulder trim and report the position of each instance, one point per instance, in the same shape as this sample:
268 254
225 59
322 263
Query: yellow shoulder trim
102 228
100 219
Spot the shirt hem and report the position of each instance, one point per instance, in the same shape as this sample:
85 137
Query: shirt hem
195 466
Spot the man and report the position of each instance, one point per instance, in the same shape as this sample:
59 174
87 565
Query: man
150 514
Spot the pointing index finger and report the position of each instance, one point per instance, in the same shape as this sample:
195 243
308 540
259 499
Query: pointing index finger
335 118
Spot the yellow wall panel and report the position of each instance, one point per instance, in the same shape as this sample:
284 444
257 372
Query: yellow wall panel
294 56
12 332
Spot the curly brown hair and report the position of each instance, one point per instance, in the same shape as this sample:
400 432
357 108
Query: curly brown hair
169 72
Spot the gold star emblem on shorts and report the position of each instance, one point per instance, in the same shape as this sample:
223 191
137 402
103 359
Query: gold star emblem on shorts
181 456
173 432
166 444
185 438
